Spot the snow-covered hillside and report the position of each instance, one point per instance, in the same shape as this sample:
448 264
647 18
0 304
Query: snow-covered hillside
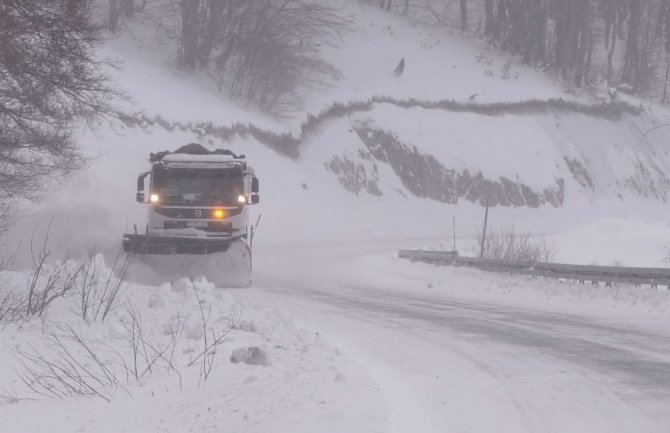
374 152
444 109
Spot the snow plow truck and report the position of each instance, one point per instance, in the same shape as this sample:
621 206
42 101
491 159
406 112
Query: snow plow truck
198 218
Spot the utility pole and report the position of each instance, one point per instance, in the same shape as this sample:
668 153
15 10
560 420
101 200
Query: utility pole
486 220
454 231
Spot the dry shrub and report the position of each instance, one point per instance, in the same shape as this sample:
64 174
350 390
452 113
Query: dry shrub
70 367
505 243
47 282
99 288
211 339
12 306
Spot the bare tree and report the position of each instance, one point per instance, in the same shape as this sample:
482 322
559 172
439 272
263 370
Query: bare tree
259 50
464 15
665 19
48 79
489 21
562 36
189 33
114 15
632 57
120 8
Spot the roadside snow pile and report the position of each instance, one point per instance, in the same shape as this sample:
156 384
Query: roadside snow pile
91 352
612 241
627 240
542 294
375 266
608 241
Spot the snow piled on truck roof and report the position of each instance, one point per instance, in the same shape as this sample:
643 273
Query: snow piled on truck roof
185 157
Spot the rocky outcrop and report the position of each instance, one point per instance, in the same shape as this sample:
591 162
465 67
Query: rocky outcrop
425 176
579 172
354 177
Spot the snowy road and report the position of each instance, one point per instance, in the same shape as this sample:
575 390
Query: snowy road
448 364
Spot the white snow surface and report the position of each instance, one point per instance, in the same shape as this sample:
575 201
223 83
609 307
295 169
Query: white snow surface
304 383
180 157
357 339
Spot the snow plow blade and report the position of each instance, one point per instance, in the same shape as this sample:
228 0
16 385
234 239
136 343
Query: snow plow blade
164 259
147 244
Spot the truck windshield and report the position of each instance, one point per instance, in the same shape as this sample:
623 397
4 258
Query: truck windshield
198 187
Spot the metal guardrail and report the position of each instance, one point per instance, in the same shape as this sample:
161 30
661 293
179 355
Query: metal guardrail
606 274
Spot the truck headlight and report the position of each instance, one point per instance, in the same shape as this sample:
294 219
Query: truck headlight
219 214
154 198
241 199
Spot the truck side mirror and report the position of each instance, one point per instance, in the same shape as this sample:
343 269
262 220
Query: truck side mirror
255 188
141 197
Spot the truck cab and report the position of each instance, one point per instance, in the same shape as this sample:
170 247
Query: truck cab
194 192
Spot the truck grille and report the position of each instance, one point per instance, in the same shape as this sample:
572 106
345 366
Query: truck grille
209 226
190 213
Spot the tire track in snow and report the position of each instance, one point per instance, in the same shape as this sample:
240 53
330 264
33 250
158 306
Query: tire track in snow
532 373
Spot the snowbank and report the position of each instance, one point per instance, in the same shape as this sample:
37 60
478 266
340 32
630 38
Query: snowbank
161 358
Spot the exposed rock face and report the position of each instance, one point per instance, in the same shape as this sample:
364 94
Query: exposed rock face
354 177
648 181
425 176
579 172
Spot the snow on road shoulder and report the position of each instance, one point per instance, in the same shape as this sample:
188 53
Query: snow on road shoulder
181 357
612 241
377 267
542 294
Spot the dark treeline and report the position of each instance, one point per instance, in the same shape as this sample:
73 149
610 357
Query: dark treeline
258 50
255 50
262 50
625 43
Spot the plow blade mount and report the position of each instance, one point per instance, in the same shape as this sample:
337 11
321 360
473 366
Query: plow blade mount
159 259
